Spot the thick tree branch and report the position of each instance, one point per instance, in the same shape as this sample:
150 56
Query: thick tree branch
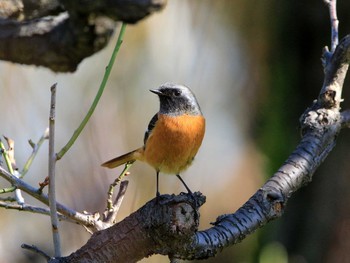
159 226
60 34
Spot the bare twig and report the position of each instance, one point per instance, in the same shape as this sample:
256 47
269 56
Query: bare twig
111 214
7 190
29 208
43 184
332 6
115 183
11 151
6 157
91 221
9 156
8 199
52 186
36 148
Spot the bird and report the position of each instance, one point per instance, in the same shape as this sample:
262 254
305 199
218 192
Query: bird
173 136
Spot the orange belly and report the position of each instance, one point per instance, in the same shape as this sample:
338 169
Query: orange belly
174 142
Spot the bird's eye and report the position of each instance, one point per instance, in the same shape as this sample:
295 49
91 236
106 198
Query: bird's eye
177 93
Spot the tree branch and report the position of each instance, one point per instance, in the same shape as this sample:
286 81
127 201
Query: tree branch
335 70
92 222
36 147
158 227
80 218
65 31
332 6
52 175
29 208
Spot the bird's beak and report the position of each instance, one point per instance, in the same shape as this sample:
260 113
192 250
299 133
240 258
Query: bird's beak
156 91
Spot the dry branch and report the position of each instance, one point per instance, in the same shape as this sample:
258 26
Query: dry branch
60 34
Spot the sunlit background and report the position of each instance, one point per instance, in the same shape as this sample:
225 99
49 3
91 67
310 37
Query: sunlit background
254 67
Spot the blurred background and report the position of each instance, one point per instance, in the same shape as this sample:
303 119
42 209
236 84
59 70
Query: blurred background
254 67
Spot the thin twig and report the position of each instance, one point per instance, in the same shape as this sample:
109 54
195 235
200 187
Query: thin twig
36 148
42 197
43 184
7 190
110 215
97 98
52 186
115 183
29 208
11 151
8 199
9 156
332 6
6 157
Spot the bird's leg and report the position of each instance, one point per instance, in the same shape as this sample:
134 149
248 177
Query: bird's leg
195 207
183 182
157 192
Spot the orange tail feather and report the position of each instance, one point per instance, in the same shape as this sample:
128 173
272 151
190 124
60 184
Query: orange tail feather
128 157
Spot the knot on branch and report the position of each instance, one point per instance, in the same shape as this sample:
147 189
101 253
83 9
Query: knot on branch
172 220
274 202
327 99
320 121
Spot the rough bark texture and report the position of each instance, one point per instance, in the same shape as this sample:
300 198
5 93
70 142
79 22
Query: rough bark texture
161 226
60 34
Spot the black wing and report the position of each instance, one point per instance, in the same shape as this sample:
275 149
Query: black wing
150 127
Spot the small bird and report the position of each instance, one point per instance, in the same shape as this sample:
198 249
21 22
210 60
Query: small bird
173 136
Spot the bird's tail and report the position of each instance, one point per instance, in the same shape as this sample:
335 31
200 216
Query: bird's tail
125 158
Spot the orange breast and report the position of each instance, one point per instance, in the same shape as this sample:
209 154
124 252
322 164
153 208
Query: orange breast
174 142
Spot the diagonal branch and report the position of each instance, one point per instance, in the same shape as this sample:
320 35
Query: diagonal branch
29 208
36 147
83 219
